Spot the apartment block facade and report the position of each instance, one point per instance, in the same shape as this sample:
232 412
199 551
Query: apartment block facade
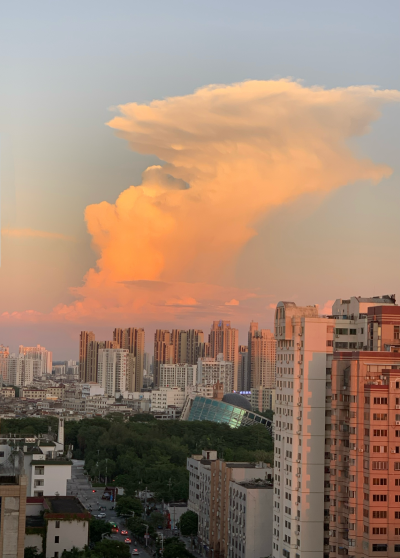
225 340
211 371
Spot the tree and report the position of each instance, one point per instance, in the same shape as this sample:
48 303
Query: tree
175 548
126 505
73 553
98 527
156 519
116 549
188 523
32 552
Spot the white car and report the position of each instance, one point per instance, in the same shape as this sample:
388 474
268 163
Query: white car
101 515
135 552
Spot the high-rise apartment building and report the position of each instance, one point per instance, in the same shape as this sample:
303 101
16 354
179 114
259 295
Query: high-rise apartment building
4 356
243 366
211 371
112 369
225 340
320 418
21 370
303 357
85 338
177 375
132 339
262 357
41 354
364 484
163 353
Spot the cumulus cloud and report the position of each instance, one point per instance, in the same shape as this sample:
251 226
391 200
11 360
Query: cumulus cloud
229 155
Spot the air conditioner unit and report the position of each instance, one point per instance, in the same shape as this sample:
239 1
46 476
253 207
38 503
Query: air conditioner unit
299 417
397 422
298 432
361 450
299 362
297 533
297 474
299 390
297 460
392 451
397 406
300 404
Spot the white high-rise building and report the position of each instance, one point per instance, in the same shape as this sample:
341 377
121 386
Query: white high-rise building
177 375
41 354
111 370
304 354
216 370
20 370
4 355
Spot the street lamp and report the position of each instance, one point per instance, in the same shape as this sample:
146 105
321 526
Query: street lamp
147 531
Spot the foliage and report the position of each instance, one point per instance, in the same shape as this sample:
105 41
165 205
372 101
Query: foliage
143 452
28 425
126 505
74 553
98 527
267 414
188 523
116 549
32 552
143 417
156 519
175 548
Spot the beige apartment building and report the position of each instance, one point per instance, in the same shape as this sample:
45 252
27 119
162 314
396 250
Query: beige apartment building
262 357
132 339
225 340
12 515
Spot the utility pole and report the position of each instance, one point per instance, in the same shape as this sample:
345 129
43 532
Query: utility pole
147 531
105 481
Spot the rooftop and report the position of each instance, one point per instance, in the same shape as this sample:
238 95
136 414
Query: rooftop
64 504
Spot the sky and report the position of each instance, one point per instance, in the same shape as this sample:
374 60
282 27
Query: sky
167 164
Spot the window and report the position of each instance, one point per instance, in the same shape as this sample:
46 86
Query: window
379 498
380 432
379 449
396 333
382 482
366 400
366 530
397 498
57 539
39 470
397 515
57 524
329 343
380 400
397 465
379 530
341 331
379 416
379 465
397 482
379 547
397 547
353 332
365 513
397 531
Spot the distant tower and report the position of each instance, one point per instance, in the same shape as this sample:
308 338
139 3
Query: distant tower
60 438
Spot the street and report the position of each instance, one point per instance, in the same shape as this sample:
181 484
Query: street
80 486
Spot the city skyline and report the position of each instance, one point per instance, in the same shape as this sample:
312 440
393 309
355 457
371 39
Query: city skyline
211 179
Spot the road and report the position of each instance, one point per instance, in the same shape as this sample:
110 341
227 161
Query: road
80 486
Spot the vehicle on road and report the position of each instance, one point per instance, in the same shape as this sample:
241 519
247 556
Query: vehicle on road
124 532
135 552
101 515
128 540
93 491
159 526
106 496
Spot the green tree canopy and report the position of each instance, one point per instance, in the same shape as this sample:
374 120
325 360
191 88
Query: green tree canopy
98 527
188 523
175 548
116 549
127 504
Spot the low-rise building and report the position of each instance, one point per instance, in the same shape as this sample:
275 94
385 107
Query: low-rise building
163 398
56 524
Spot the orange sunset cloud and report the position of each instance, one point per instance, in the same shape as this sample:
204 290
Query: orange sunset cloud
229 154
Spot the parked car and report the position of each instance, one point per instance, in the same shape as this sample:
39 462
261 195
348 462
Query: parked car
101 515
135 552
106 496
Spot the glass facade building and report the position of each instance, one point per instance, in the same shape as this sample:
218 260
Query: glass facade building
204 408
